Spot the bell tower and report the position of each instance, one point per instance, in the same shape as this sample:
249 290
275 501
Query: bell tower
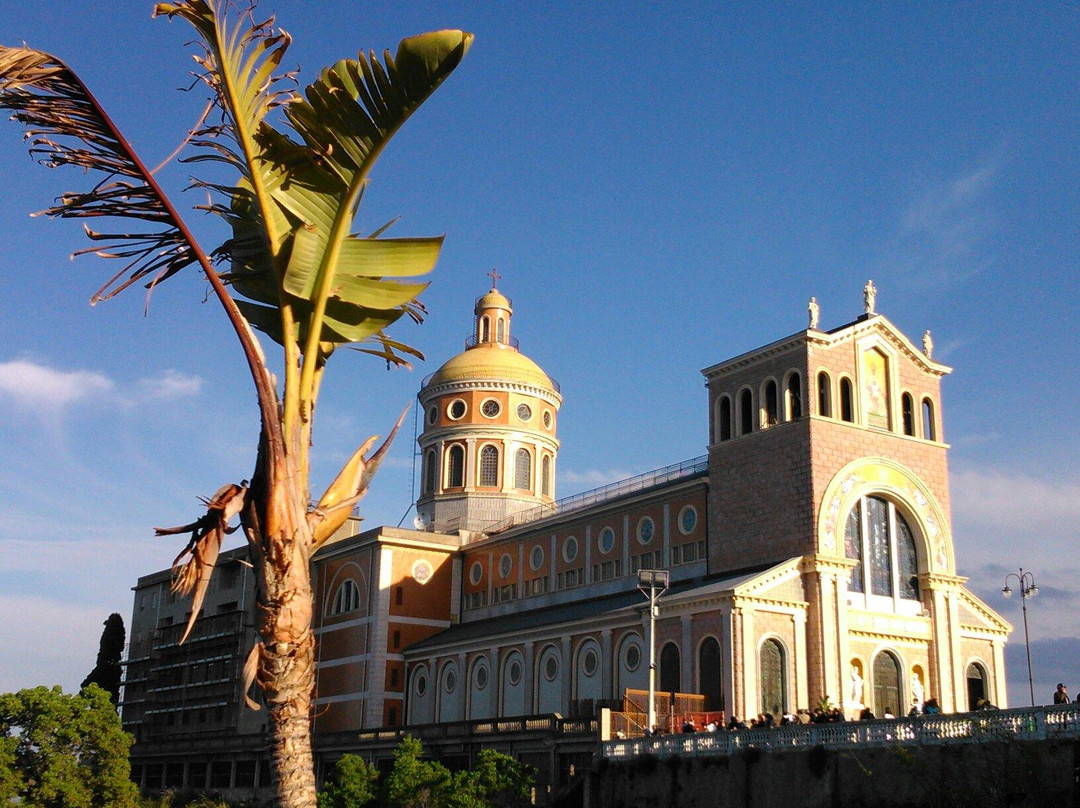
489 440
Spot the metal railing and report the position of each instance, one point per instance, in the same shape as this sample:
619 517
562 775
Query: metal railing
483 727
1026 724
586 499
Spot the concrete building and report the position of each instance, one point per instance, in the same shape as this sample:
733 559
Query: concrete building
810 555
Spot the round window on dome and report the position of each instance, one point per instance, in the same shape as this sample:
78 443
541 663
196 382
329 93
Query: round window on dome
687 520
607 540
457 409
476 573
524 412
547 419
645 530
490 408
569 549
432 415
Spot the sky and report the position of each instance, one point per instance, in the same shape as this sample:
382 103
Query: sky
661 187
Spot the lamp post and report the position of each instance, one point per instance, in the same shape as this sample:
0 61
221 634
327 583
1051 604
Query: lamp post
649 581
1028 589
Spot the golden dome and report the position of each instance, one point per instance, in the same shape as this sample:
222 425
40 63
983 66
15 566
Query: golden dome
493 300
492 362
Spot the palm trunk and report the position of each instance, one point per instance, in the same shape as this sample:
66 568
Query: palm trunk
281 540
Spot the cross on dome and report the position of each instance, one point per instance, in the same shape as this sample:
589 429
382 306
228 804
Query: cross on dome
495 277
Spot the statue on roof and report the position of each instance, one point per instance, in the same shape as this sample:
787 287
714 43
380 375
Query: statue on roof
928 344
814 311
869 294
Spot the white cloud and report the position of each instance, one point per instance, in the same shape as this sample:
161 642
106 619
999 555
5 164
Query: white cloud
1003 503
169 385
33 385
39 387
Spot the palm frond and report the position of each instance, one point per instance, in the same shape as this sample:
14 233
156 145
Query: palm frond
66 126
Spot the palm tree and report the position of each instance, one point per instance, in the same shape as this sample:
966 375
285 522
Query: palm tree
291 268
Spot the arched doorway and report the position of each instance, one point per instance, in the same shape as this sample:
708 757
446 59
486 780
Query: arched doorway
886 684
771 668
976 685
670 669
709 674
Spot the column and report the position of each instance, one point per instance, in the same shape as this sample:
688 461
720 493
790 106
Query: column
802 687
749 706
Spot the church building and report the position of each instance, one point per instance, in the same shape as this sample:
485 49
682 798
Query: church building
809 554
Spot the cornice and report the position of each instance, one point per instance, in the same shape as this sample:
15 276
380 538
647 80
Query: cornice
550 396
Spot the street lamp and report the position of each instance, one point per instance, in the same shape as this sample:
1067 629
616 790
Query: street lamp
649 581
1028 589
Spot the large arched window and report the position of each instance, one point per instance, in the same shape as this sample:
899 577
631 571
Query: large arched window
886 684
489 466
746 413
773 673
429 472
824 395
976 685
770 407
725 418
523 469
709 674
928 430
878 537
455 467
545 476
793 397
347 597
907 410
847 403
670 669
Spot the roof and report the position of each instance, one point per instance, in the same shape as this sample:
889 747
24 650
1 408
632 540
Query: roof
491 362
629 603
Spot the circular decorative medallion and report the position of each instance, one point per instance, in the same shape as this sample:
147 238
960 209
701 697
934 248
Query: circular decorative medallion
632 657
476 573
687 520
421 571
506 565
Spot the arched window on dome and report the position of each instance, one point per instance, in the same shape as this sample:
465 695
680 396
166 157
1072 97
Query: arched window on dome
489 467
523 469
485 329
429 472
545 476
455 467
879 538
824 395
500 330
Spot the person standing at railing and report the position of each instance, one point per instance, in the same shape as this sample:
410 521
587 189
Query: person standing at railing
1060 696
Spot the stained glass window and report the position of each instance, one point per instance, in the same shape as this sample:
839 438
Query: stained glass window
522 469
877 523
489 466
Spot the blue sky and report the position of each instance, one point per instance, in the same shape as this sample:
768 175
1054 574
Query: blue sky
661 187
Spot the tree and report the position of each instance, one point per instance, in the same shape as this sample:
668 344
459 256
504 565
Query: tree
106 672
495 780
351 784
62 751
291 267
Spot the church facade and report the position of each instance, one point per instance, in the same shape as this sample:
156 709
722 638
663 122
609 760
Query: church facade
810 552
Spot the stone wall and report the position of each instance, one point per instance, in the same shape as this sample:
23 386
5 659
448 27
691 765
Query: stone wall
988 774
